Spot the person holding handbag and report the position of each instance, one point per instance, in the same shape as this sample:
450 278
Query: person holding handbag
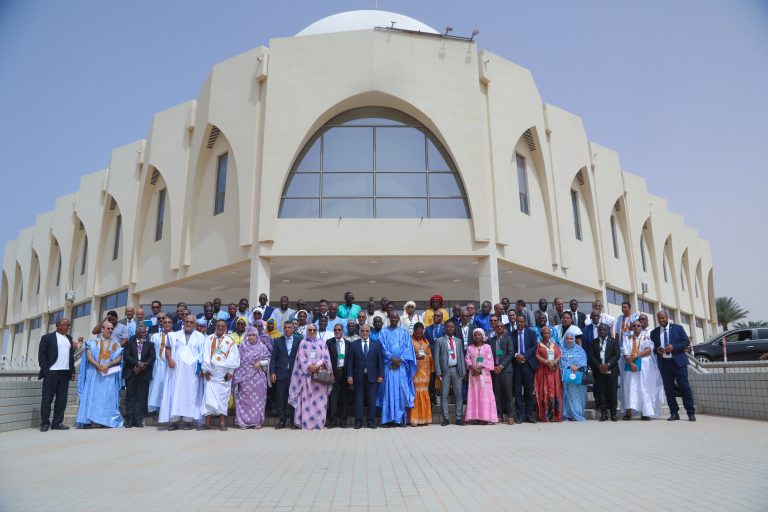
573 364
311 382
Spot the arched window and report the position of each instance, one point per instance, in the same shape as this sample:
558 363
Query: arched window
374 163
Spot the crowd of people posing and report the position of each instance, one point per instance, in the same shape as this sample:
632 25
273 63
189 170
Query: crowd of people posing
317 367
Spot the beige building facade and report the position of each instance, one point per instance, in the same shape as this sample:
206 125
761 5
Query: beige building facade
354 156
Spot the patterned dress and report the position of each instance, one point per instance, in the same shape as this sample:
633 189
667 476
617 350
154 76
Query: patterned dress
549 389
481 403
249 384
421 414
309 399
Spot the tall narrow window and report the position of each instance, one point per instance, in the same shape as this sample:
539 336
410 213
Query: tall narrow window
696 286
576 215
522 185
160 215
664 267
37 287
221 184
642 253
118 229
85 256
614 237
58 272
682 279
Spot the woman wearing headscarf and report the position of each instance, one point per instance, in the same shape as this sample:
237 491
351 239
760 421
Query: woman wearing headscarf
641 384
239 333
310 398
573 360
481 403
421 413
250 382
549 391
410 318
435 304
272 331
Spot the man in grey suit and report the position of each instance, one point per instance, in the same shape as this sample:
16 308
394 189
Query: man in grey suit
450 369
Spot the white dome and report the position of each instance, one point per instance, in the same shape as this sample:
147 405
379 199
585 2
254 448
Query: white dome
364 20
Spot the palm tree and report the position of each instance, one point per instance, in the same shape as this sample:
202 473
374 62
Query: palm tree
728 310
752 324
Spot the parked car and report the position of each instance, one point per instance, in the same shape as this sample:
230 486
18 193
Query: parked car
741 345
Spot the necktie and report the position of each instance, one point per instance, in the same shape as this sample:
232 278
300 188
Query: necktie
365 349
666 339
453 350
520 342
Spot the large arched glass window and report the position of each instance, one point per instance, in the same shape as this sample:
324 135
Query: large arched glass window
374 163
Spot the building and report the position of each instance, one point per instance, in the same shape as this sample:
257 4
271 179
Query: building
384 159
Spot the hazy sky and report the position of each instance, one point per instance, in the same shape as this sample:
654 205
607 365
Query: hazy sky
678 88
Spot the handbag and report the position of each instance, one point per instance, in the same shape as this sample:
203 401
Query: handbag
323 377
587 379
570 377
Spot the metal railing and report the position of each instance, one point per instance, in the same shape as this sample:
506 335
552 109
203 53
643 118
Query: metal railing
729 367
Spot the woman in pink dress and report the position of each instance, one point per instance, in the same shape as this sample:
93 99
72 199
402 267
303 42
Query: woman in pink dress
481 404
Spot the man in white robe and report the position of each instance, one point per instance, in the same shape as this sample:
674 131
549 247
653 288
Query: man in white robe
183 390
220 360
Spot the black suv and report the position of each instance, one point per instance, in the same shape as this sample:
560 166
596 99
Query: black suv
741 345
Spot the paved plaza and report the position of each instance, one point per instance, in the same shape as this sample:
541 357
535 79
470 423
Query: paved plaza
713 464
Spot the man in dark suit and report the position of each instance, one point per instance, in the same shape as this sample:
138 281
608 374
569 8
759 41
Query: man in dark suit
670 343
365 371
603 355
338 349
502 375
280 370
525 364
464 329
139 357
56 357
589 334
578 318
158 327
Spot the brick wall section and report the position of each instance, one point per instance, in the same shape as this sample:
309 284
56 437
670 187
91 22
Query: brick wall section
20 402
738 395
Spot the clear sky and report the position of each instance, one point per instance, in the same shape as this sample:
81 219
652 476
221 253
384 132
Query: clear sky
678 88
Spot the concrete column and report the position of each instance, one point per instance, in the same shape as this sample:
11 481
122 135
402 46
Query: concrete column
260 278
488 280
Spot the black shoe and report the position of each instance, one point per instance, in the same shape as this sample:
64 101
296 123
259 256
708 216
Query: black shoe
645 418
358 425
343 424
402 425
59 426
603 415
295 427
614 417
444 423
673 417
518 421
280 425
460 422
127 425
530 420
139 425
332 424
187 426
691 417
173 426
44 427
627 417
372 425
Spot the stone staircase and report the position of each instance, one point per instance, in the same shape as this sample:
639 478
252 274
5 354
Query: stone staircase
590 413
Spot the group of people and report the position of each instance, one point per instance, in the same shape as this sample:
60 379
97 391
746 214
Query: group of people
317 367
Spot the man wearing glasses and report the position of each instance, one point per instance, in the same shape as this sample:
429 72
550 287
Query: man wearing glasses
99 381
182 402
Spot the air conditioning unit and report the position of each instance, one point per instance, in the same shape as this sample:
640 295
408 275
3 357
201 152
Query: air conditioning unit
645 287
69 296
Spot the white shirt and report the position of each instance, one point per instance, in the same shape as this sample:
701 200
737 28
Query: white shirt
340 346
662 332
62 360
365 350
451 353
605 318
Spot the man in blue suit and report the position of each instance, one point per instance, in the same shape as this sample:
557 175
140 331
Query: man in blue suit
365 371
524 344
670 343
281 368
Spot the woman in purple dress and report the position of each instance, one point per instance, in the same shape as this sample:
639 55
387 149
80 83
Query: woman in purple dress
310 398
249 383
